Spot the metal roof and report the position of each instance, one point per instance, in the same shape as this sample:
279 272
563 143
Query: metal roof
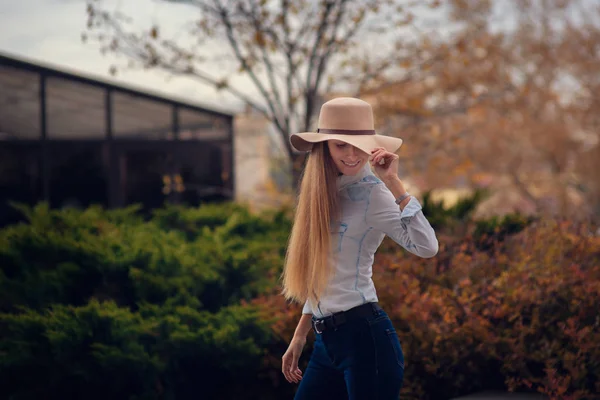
40 101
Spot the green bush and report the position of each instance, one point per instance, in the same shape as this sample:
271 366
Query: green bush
495 229
104 303
69 257
100 351
442 217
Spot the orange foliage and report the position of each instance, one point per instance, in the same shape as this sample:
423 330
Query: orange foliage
516 103
521 315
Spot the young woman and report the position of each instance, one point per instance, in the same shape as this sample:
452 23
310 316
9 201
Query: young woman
344 212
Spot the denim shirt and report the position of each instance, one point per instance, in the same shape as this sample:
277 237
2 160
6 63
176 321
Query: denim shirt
369 213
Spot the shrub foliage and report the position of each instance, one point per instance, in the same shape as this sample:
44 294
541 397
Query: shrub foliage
103 304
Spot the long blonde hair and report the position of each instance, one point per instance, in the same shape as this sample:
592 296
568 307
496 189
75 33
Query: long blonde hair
307 266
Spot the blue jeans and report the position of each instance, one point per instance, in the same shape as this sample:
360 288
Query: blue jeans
359 360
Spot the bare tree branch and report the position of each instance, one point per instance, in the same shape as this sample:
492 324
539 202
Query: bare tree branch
328 51
285 48
271 75
225 17
310 94
524 189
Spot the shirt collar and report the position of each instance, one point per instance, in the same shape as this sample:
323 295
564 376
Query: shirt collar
345 180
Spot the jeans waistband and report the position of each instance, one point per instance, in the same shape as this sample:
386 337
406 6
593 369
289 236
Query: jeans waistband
335 320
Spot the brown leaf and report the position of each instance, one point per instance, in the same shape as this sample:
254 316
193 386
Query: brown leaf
259 38
222 84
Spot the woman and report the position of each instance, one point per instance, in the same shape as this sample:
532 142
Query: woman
343 214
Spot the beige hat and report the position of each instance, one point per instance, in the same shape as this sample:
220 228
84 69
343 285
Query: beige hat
349 120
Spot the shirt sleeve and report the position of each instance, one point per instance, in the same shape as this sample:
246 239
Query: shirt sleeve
306 309
409 228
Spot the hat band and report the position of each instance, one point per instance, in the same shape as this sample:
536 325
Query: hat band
346 132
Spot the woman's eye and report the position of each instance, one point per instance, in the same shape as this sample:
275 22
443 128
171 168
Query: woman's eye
341 145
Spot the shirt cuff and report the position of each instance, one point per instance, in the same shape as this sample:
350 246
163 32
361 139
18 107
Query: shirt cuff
306 309
411 209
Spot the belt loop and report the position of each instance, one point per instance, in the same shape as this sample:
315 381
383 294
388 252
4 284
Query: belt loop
375 310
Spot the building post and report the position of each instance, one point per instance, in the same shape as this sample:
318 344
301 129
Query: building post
46 161
114 179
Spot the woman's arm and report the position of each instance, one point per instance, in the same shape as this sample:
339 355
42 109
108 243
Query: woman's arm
289 361
395 185
304 326
405 223
409 227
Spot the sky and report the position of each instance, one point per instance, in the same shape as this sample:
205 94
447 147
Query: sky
49 32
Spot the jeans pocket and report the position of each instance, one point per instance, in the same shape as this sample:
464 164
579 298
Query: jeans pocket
393 337
377 319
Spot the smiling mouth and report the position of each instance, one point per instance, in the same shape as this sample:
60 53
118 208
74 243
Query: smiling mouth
351 164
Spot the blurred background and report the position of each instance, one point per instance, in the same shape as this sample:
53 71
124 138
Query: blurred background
147 187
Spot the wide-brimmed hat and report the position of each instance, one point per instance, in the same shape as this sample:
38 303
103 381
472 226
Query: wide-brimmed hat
349 120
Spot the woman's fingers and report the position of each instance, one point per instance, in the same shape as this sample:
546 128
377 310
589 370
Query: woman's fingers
292 376
381 157
289 368
294 368
296 376
376 155
285 367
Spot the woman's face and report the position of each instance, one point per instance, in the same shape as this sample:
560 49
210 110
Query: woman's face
347 158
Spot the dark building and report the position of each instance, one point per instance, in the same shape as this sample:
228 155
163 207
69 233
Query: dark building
71 140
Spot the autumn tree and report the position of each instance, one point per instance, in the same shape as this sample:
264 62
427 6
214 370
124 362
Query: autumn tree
511 98
291 51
